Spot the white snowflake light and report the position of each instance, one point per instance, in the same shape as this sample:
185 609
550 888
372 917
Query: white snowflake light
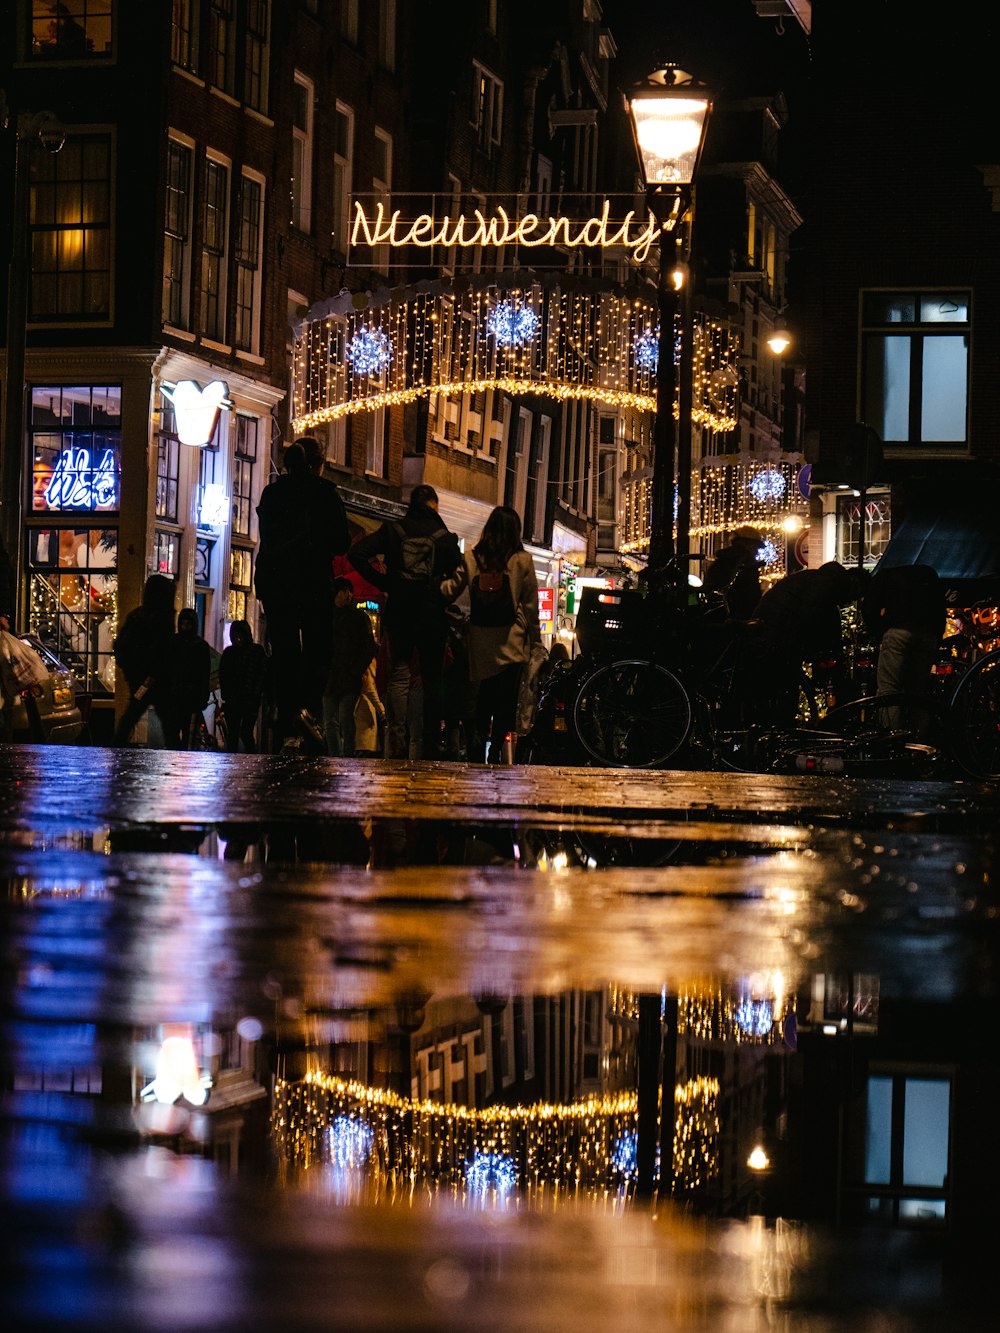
490 1171
350 1142
512 326
647 350
369 352
767 486
755 1017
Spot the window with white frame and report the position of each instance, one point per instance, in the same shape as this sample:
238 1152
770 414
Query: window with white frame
245 456
214 249
184 34
517 452
387 34
249 239
915 367
79 30
302 152
907 1146
382 185
376 454
70 225
343 156
487 106
222 45
256 54
177 234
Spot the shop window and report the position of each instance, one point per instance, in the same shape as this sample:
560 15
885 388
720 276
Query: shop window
214 250
877 530
75 449
907 1145
248 264
915 390
72 597
184 34
166 553
302 152
343 156
240 582
167 476
71 231
244 465
487 107
387 34
177 235
79 30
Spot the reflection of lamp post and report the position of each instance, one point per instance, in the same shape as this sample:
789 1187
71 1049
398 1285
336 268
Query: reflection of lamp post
669 112
30 128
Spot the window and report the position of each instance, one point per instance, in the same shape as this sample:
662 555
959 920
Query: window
877 530
907 1144
71 231
491 14
349 20
387 34
302 150
78 30
517 448
535 489
382 185
222 45
240 582
343 155
166 553
167 475
244 464
183 35
376 455
75 464
214 250
177 235
255 54
915 389
487 106
248 264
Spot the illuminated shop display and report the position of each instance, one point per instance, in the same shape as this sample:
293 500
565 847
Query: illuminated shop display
72 534
549 337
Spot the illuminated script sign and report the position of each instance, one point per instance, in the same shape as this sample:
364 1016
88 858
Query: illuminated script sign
384 226
76 483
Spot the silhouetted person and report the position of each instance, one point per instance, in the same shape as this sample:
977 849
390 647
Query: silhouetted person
142 652
904 612
796 621
187 683
418 552
302 525
242 670
735 574
352 653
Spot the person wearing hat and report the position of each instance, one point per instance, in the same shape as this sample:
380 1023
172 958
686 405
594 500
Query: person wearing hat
733 573
353 650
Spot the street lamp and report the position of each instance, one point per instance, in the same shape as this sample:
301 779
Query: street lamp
669 111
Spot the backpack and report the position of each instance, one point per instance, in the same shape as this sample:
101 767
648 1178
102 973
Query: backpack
491 600
417 555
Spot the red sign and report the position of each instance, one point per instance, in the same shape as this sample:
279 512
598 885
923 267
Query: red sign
546 608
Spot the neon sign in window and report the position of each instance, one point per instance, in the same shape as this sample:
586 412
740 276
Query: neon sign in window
79 482
75 449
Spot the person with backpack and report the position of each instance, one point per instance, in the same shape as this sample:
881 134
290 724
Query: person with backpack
303 525
503 626
418 552
187 682
142 653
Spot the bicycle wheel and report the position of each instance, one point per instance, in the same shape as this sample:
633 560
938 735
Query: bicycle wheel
632 714
974 719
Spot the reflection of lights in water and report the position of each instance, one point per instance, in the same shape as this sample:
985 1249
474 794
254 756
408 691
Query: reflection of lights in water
350 1142
177 1074
755 1017
623 1155
490 1171
758 1159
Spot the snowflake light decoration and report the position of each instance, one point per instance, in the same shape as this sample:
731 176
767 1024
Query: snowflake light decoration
755 1017
767 486
767 552
369 352
350 1142
490 1171
512 326
647 350
623 1155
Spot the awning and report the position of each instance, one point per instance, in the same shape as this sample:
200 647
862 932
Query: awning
958 535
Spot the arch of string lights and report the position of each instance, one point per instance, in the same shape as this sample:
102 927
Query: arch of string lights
564 340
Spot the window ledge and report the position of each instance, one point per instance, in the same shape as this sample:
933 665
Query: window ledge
254 114
185 335
216 347
187 74
252 357
223 96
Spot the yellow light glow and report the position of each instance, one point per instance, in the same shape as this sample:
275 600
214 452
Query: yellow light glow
758 1159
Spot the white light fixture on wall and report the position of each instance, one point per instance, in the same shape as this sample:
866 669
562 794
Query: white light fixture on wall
197 408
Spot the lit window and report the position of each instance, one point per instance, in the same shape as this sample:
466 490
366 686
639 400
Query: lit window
71 231
907 1146
222 45
255 66
387 34
487 107
240 582
244 465
343 155
248 264
916 367
177 235
375 425
167 476
183 35
80 30
214 247
302 151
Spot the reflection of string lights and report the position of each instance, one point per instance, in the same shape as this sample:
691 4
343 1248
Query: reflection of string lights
350 1142
696 1133
623 1158
488 1172
755 1017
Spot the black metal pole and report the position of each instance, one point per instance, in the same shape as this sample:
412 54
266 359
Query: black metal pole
17 313
685 406
649 1071
661 519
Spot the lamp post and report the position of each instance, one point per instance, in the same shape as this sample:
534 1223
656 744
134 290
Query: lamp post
669 112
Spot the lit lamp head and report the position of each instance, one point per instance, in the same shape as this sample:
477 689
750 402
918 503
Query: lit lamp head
779 341
196 409
669 112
